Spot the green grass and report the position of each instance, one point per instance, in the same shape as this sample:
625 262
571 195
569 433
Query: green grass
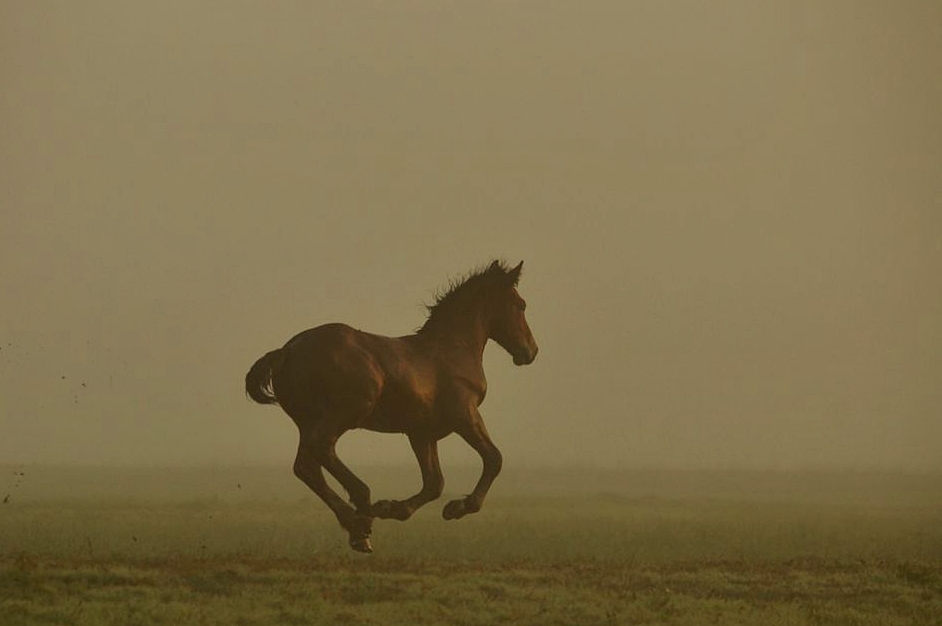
321 590
662 549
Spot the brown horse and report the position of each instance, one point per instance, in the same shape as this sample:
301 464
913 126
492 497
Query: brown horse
333 378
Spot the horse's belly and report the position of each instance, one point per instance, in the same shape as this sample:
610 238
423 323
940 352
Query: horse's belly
399 411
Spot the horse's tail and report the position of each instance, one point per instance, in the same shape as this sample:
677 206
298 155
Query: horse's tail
258 380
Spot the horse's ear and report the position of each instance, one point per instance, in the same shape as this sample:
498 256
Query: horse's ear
514 275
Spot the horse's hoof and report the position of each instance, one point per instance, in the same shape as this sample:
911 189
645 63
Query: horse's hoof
453 510
390 509
361 544
382 509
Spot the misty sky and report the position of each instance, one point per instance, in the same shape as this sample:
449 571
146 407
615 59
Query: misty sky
729 214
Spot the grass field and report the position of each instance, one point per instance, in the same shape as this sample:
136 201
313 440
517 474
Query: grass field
248 546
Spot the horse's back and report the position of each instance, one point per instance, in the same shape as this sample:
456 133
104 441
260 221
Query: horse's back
325 336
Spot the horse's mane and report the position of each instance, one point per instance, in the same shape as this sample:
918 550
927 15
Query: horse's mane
459 290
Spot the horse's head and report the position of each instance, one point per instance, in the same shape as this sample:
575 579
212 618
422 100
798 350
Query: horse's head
509 326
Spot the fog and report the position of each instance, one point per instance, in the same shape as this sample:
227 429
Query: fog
728 211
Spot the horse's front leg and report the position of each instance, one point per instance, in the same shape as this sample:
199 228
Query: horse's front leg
476 435
426 453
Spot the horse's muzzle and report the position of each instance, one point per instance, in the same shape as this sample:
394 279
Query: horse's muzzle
526 358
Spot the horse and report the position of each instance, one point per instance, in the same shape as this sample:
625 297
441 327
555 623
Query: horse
427 385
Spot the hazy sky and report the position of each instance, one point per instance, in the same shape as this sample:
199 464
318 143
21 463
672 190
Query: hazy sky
729 214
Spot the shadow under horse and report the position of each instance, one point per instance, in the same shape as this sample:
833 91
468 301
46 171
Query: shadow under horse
334 378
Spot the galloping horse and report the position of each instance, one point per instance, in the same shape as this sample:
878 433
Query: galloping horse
334 378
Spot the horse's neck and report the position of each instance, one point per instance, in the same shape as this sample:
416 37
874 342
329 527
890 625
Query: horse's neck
468 335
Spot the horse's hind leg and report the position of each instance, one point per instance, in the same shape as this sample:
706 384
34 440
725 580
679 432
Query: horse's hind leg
358 491
426 452
312 452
